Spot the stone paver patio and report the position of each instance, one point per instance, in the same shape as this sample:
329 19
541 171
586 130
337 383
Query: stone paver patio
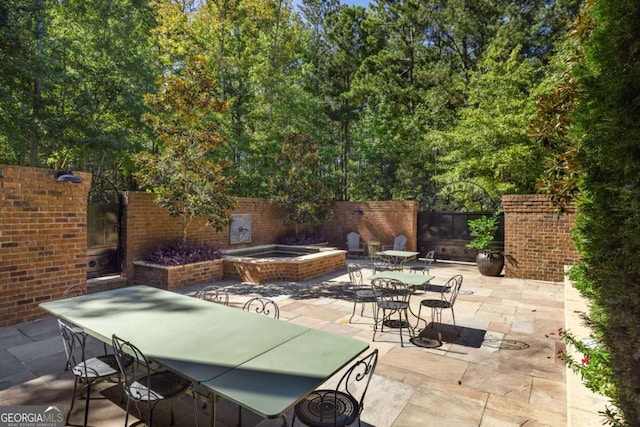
503 371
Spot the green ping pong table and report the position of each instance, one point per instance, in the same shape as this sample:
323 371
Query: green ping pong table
263 364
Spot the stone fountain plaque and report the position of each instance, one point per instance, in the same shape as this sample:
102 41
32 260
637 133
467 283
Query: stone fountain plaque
240 231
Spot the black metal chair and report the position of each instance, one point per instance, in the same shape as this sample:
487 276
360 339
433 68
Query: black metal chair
447 299
259 305
361 294
70 292
262 305
428 259
392 297
87 371
214 294
142 384
340 406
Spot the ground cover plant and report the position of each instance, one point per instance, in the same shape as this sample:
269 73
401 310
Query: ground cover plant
182 252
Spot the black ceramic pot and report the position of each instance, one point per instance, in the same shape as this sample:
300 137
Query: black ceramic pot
490 263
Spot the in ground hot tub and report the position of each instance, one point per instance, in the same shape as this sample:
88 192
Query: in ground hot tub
259 264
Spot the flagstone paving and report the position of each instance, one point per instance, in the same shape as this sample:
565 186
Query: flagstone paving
502 371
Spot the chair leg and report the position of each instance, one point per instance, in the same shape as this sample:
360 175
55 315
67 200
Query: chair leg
86 405
400 325
73 400
453 316
126 417
378 321
353 312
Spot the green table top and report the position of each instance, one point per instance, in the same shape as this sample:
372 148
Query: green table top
264 364
276 380
408 279
197 338
399 254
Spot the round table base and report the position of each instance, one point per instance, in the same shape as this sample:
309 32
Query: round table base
397 324
425 342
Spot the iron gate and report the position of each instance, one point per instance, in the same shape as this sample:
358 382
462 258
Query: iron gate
103 239
103 228
442 221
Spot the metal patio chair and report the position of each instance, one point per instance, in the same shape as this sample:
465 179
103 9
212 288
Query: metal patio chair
214 293
70 292
425 267
361 294
447 299
392 298
87 371
144 385
259 305
340 406
262 305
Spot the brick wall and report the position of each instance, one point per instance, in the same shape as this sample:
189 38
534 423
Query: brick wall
539 241
380 221
43 239
145 225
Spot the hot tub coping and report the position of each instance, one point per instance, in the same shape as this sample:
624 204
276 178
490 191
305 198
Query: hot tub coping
237 254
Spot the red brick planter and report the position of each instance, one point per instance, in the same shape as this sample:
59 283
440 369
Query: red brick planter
171 278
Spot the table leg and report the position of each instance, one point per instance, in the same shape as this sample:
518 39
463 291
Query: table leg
213 409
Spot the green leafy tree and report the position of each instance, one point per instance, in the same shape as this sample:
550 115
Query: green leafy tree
254 48
72 76
490 144
297 183
26 72
187 174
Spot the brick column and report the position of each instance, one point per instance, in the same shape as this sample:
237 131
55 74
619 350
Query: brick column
537 238
43 239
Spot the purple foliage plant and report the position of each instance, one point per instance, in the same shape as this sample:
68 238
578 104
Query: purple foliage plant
181 253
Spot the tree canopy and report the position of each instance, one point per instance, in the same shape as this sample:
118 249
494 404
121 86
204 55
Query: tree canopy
400 97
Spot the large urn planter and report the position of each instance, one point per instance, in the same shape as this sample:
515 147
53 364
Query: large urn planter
174 277
490 263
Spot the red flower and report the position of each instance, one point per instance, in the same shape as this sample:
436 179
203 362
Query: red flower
585 360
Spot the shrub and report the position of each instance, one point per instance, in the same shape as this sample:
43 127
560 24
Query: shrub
181 253
483 231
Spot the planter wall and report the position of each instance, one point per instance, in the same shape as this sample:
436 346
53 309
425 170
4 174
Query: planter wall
171 278
305 267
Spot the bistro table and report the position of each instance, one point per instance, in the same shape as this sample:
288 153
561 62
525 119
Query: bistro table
263 364
413 281
398 258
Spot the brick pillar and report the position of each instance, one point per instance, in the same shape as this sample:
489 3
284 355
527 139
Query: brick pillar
43 239
537 238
